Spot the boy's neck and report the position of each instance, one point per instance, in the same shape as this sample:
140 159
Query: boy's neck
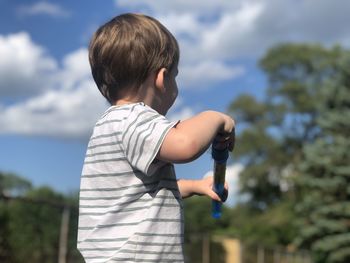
146 93
125 101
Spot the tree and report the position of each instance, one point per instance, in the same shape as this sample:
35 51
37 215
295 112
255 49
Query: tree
13 184
325 180
277 126
9 184
34 227
200 225
30 220
275 130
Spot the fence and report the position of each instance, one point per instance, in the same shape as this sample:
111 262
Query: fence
259 254
220 249
37 231
43 231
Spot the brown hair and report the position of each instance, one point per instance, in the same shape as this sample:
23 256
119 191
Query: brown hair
125 50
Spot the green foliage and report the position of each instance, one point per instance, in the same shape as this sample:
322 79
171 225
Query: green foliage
35 228
259 148
274 227
294 145
277 127
9 184
198 217
200 226
325 203
13 184
30 222
6 251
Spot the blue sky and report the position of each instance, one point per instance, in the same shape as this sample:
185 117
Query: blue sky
49 103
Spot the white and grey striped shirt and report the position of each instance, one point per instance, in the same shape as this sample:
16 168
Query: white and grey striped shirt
130 208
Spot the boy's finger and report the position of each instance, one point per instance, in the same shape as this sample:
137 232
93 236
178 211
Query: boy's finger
224 195
231 146
226 185
214 196
222 198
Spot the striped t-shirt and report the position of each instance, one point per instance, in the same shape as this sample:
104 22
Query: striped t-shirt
130 208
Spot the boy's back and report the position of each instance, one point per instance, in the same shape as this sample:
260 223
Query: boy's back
130 208
130 200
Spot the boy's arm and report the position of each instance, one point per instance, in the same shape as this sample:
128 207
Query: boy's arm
190 138
203 186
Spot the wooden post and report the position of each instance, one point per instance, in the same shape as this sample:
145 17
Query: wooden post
276 256
62 250
206 249
261 255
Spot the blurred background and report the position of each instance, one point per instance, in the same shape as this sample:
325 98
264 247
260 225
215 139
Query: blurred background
280 68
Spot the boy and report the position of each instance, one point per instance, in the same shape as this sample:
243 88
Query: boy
130 200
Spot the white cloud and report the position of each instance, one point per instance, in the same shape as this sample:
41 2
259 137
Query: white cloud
25 68
200 65
61 101
56 113
75 68
232 178
43 8
206 74
181 114
229 36
179 6
186 24
68 108
227 30
213 35
179 111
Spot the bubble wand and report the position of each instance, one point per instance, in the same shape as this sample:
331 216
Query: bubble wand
220 157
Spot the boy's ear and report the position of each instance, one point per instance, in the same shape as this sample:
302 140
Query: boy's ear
160 78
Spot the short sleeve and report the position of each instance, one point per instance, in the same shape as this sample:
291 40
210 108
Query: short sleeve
143 133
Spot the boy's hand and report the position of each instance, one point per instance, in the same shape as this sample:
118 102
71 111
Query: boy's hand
205 187
226 136
200 187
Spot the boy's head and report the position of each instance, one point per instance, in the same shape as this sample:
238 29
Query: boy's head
126 50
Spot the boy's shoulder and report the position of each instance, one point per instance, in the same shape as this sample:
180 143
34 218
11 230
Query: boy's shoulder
126 112
120 110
